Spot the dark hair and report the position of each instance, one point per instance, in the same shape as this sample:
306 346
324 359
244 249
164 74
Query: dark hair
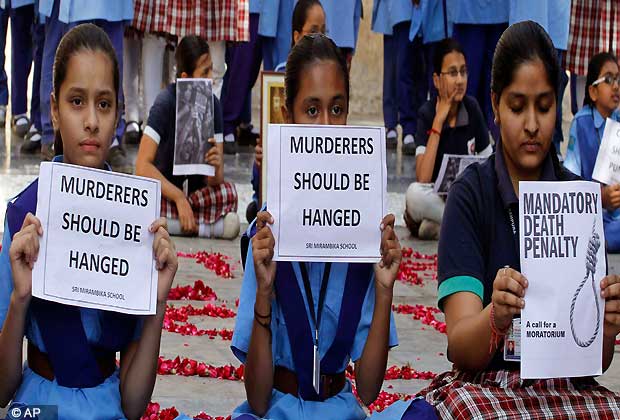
521 43
443 48
300 14
84 37
594 69
309 50
188 52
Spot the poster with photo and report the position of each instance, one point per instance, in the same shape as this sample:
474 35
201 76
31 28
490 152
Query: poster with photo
451 167
194 127
272 100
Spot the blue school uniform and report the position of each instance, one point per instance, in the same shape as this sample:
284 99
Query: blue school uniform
71 337
381 22
274 26
429 22
586 132
343 330
553 16
343 21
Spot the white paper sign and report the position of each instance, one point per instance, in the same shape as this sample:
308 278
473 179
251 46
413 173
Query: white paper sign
194 127
607 166
96 250
451 167
562 247
326 192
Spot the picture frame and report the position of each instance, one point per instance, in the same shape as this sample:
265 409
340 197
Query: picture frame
272 100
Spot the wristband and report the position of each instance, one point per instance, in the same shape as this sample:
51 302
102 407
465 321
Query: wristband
257 315
496 334
432 130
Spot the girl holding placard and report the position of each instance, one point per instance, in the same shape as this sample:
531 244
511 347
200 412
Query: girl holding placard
208 206
602 98
71 359
277 334
480 286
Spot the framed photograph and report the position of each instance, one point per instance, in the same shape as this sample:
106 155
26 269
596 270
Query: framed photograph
272 100
194 127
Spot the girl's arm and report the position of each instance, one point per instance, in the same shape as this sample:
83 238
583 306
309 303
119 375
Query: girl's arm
23 253
145 167
215 157
425 163
469 324
370 368
139 359
259 363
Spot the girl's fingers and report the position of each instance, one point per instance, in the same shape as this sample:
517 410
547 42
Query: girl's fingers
160 222
262 219
612 306
509 299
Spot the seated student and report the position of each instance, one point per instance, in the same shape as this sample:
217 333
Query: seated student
273 332
209 208
451 123
71 356
602 97
477 293
308 18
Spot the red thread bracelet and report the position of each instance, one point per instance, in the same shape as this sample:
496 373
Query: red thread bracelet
432 130
496 334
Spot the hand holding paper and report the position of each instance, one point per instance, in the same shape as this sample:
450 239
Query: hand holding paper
23 254
509 289
165 256
263 244
611 196
391 254
610 291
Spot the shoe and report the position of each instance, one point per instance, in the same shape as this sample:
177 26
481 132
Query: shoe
33 134
408 145
132 133
20 125
32 141
246 135
230 148
2 116
391 139
429 230
231 226
117 158
47 152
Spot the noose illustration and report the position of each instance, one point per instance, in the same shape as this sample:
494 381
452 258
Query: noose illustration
593 245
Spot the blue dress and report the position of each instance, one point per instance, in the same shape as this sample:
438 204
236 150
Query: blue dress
101 402
343 21
342 406
586 132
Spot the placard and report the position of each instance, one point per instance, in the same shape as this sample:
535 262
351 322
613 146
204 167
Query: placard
563 257
327 192
607 166
451 167
194 127
96 250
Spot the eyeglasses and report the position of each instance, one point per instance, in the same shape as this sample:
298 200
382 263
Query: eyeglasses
609 79
454 72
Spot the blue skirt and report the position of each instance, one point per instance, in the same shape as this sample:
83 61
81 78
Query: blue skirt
343 406
102 402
